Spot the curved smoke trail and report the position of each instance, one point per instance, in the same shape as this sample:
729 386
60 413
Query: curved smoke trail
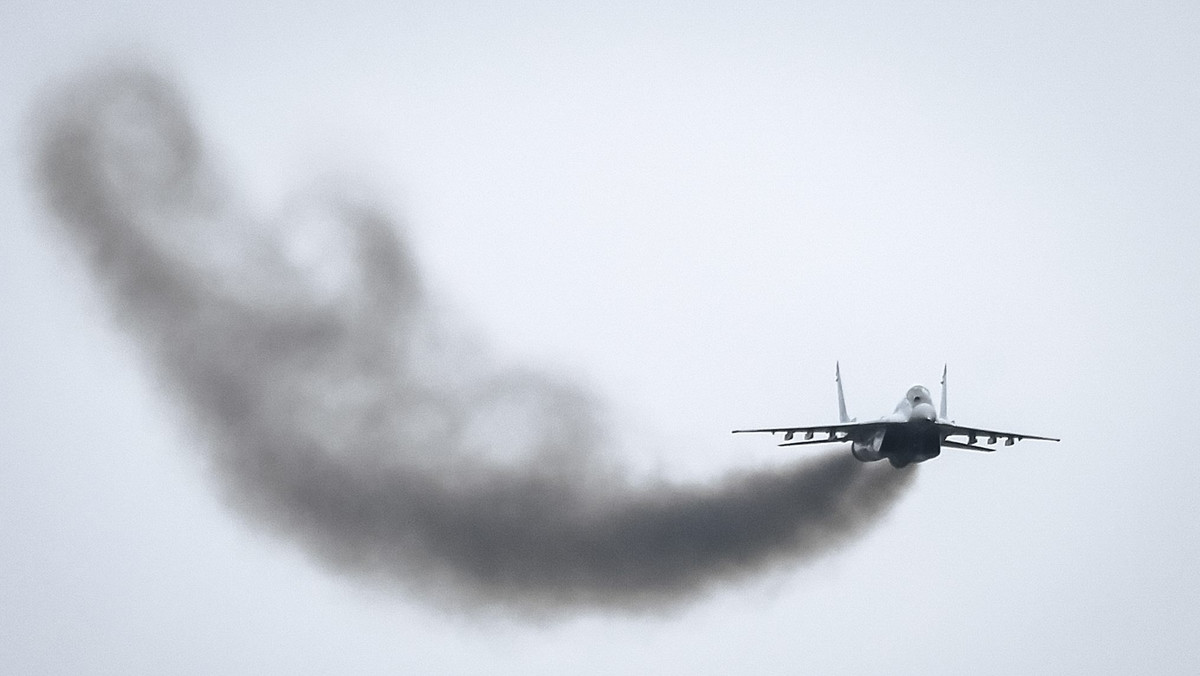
340 410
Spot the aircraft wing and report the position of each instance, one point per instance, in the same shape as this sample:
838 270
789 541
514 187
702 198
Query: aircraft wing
833 433
973 434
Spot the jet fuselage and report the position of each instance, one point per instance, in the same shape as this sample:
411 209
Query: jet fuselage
916 439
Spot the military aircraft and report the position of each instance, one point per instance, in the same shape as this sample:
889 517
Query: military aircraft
915 432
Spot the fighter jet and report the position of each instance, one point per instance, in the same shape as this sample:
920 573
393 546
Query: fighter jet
914 432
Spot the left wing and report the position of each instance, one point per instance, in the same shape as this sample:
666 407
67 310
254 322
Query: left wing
973 434
833 433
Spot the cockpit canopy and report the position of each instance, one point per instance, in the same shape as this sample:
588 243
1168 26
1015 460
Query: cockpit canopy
918 394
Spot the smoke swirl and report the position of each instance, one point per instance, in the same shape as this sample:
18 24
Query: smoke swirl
343 411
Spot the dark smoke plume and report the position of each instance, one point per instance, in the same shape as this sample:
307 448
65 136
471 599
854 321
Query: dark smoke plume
341 409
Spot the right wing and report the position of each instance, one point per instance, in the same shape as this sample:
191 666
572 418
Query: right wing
833 433
973 434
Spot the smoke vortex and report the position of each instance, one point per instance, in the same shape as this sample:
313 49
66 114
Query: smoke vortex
340 410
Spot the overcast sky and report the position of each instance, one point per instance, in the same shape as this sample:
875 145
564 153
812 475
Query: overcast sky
690 213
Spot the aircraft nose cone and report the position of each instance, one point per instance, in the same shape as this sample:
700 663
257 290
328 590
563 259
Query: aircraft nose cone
923 412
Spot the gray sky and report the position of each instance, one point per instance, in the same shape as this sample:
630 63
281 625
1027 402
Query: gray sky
692 213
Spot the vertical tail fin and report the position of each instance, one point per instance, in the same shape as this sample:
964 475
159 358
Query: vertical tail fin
942 414
841 397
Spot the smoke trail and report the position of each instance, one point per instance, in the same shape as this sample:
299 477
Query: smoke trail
341 409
